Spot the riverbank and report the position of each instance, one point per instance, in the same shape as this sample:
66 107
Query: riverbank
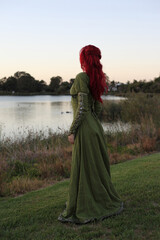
37 161
5 93
34 215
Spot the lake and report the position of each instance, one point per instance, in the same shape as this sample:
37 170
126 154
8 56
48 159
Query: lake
20 114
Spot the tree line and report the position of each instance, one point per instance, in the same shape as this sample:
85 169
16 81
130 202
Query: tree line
152 86
22 82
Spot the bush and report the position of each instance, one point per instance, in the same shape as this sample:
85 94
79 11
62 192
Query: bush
133 109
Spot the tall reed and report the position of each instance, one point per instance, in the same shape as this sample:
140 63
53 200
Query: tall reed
133 109
33 161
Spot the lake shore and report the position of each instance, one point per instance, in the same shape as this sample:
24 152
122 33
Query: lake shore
18 114
36 160
31 94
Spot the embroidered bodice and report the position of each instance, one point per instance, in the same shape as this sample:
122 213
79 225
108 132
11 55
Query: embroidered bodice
82 101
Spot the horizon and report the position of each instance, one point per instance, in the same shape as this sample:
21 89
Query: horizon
74 78
43 38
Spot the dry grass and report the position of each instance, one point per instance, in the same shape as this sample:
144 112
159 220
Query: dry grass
133 109
26 166
21 185
118 158
35 161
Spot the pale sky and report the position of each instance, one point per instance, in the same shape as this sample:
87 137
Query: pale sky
43 37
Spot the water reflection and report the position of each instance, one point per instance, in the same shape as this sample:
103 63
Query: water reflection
116 127
19 114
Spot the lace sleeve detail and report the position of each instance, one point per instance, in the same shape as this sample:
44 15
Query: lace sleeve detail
80 113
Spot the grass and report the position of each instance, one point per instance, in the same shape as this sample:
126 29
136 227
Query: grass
36 161
33 216
39 159
133 109
33 162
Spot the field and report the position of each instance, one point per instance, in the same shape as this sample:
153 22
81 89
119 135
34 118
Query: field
33 216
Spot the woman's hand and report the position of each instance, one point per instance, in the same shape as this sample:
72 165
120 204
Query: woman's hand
71 138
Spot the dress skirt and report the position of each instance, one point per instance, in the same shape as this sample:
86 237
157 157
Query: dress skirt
92 195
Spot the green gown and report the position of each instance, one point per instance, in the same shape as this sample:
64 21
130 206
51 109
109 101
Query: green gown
92 195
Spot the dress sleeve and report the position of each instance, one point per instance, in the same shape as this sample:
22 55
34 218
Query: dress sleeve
82 91
97 107
80 113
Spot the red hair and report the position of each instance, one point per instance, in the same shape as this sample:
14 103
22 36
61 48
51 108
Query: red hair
90 63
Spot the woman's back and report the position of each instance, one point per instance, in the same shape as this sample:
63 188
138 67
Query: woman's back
91 193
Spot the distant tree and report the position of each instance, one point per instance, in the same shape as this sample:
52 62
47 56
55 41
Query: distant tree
22 82
43 85
2 82
135 81
10 84
55 83
71 81
113 83
107 79
156 87
157 80
26 83
36 87
20 74
64 88
148 87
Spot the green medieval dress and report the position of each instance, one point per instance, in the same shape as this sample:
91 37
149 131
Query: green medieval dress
92 195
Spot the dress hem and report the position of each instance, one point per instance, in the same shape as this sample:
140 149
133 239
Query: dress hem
77 221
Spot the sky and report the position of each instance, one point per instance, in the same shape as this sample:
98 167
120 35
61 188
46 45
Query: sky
44 37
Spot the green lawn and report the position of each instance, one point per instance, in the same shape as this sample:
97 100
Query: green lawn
34 215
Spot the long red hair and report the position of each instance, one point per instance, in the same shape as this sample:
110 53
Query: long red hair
90 63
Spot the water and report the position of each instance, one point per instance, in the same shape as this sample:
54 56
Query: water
20 114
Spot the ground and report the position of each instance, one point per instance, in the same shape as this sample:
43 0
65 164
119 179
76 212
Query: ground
33 216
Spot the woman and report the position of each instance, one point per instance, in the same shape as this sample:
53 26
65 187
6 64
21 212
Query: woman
91 193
